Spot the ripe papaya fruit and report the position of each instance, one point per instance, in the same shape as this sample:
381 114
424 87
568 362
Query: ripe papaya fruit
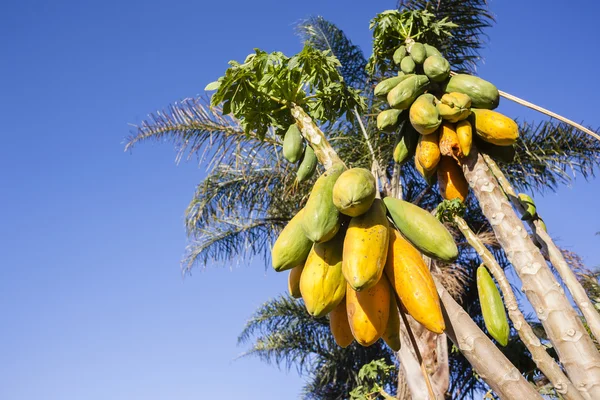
437 68
321 219
365 247
454 107
464 132
529 206
418 53
430 50
422 229
368 311
483 94
388 120
403 95
384 87
492 308
322 283
354 191
406 146
495 128
424 115
451 179
293 144
411 280
449 144
392 330
428 152
307 166
340 328
292 246
399 54
294 281
430 177
407 65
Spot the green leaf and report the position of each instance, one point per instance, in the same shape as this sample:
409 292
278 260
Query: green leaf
212 86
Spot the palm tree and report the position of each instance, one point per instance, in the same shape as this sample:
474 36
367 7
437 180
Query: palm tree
247 173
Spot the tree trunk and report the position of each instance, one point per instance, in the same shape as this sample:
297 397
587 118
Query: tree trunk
563 326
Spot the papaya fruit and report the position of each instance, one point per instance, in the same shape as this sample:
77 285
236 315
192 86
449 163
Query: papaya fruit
529 206
483 94
437 68
424 115
307 166
354 191
418 53
428 152
449 144
391 336
294 281
384 87
422 229
542 224
399 54
464 132
403 95
430 177
322 283
388 120
340 328
293 144
412 281
406 146
292 246
505 154
407 65
454 107
431 51
492 308
321 219
451 180
495 128
368 311
365 247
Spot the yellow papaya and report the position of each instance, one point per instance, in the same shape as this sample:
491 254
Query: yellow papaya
492 308
464 132
494 127
449 144
294 281
368 311
411 280
430 177
451 179
424 115
340 328
365 247
322 283
354 191
428 152
292 246
392 331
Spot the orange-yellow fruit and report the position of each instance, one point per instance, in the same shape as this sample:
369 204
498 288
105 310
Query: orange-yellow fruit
428 152
392 331
495 128
368 311
449 144
451 179
294 281
464 131
340 328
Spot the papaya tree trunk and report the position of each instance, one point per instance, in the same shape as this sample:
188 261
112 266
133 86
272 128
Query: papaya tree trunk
563 326
542 359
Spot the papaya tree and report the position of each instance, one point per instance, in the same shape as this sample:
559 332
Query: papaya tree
272 104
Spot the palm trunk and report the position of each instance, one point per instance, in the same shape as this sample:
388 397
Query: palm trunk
564 328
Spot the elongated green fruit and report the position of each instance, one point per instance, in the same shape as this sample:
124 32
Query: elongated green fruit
483 94
293 144
384 87
403 95
529 205
422 229
418 53
492 308
292 246
388 120
406 146
307 166
407 65
399 54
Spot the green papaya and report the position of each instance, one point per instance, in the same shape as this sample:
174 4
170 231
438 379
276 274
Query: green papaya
307 166
403 95
293 144
354 191
492 308
431 51
483 94
437 68
424 115
321 219
407 65
399 54
292 246
422 229
406 146
384 87
387 120
529 206
454 107
542 224
418 53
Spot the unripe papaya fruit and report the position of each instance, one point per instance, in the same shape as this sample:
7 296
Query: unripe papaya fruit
430 177
454 107
494 127
483 94
542 224
340 328
492 308
431 51
322 283
365 247
293 144
451 179
449 145
418 53
424 115
422 229
464 132
392 330
384 87
399 54
529 206
437 68
407 65
307 166
411 280
387 120
403 95
292 246
406 146
428 152
354 191
294 281
321 219
368 311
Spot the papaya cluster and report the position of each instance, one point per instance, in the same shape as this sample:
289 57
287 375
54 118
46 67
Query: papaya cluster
295 150
353 256
438 116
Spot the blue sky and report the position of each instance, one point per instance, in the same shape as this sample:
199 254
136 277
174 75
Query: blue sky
92 301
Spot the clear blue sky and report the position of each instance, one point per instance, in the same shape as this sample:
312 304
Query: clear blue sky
92 302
